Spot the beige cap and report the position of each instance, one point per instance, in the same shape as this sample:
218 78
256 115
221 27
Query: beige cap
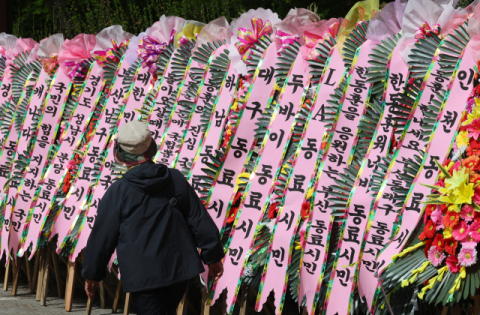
134 137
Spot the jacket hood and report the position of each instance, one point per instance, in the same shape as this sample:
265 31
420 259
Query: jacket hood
149 177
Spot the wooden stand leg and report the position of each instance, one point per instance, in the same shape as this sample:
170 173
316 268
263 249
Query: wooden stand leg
89 307
181 306
117 296
244 299
476 304
41 270
102 294
70 286
46 275
205 306
58 277
270 303
127 304
224 304
457 310
6 279
29 273
33 284
445 310
16 274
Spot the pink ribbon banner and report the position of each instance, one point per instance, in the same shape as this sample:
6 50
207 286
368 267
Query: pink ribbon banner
157 121
106 177
360 200
261 186
75 200
5 94
385 215
70 137
178 122
256 100
266 170
207 93
13 221
46 134
340 147
437 149
212 138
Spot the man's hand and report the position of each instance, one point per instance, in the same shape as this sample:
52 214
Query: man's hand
90 288
215 270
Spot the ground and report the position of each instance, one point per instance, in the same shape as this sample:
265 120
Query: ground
25 303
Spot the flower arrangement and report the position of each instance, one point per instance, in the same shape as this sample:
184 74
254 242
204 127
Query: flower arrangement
452 214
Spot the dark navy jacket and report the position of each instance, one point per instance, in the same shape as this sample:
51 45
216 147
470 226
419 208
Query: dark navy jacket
156 242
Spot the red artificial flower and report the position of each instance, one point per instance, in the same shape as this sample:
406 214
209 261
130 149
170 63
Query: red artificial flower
452 263
236 200
232 214
427 247
476 194
429 209
272 211
472 162
444 208
324 144
473 148
475 179
393 142
428 231
439 242
450 245
440 183
451 219
305 213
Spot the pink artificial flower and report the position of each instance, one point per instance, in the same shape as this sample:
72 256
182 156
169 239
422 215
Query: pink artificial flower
473 129
72 165
470 104
474 231
452 264
441 183
460 231
435 256
467 213
469 243
467 256
476 195
437 216
456 166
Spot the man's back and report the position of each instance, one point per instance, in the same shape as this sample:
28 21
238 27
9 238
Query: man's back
156 242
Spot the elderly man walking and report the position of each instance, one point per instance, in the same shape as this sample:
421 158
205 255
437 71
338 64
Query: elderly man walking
157 223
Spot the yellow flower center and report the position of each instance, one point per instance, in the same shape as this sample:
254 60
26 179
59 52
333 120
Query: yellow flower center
467 256
431 228
439 243
462 230
478 230
469 214
437 255
452 218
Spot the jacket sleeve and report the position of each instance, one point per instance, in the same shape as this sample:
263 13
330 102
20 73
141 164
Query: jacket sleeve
104 236
204 230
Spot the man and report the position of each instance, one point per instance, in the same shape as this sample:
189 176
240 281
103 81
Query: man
157 223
